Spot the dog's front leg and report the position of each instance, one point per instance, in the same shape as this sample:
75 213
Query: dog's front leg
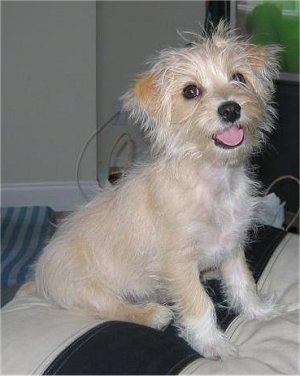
195 311
241 291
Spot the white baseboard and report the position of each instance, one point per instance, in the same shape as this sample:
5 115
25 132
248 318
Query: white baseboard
60 196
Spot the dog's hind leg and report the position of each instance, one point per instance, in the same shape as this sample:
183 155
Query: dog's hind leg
28 289
105 304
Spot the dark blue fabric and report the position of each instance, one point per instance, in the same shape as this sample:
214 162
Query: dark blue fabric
24 233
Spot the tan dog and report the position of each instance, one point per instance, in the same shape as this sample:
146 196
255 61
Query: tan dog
144 243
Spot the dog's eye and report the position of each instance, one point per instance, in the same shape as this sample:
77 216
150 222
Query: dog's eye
191 91
239 78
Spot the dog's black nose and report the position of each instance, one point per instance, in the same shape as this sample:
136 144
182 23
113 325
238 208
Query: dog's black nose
229 111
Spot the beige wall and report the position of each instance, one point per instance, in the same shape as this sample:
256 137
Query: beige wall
64 65
128 32
48 89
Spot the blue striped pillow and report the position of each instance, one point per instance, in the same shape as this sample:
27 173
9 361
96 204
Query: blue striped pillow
24 233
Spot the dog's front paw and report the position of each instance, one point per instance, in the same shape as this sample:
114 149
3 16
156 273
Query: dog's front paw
220 349
208 340
262 308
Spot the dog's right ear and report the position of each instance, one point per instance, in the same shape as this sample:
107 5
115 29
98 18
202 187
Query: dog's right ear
146 93
147 102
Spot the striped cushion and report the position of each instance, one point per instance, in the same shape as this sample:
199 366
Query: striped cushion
24 233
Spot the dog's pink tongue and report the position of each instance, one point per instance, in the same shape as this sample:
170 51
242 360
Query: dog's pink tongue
232 136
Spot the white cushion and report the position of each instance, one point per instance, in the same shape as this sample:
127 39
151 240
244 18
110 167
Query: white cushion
34 333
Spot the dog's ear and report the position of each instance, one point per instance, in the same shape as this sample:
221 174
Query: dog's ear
146 93
265 60
148 100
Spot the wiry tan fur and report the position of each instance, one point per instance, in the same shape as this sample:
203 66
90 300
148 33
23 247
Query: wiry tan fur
144 243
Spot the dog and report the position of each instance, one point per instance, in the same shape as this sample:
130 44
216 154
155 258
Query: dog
136 252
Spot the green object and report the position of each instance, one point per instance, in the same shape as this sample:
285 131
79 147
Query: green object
277 23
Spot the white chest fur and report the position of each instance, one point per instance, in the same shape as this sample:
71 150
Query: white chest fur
219 211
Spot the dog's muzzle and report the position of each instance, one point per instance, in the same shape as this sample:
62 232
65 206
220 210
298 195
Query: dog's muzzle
233 135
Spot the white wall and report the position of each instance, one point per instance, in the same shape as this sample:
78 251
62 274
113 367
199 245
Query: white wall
128 32
48 90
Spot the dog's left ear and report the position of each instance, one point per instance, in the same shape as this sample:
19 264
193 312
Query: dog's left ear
265 60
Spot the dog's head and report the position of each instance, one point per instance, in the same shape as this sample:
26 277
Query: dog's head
209 100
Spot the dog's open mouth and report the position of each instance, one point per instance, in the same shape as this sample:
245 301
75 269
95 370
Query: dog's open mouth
229 138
